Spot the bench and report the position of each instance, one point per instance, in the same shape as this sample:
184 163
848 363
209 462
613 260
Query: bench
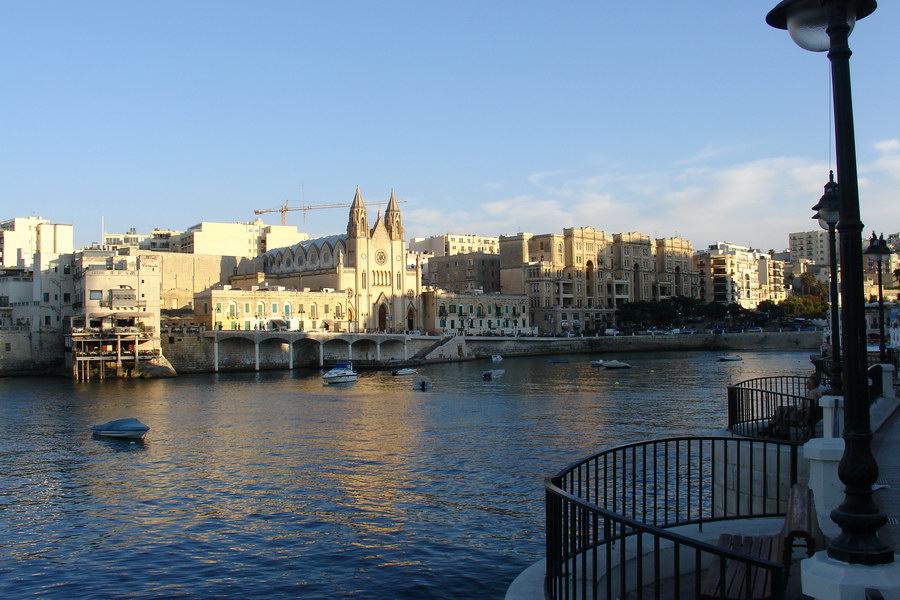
732 581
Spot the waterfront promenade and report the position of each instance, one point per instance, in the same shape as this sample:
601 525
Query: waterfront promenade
885 444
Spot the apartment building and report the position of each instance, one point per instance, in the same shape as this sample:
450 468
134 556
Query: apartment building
736 274
810 245
675 273
464 272
129 239
249 239
474 313
454 243
265 308
22 238
115 329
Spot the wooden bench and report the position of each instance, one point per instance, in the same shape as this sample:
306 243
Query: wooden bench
732 581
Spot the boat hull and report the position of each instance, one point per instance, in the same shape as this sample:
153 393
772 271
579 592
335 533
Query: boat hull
130 429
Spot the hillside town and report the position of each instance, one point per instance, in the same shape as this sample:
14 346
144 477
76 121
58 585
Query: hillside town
120 297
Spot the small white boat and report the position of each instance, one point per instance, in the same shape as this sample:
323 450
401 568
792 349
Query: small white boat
342 372
492 374
597 363
730 357
496 357
404 371
615 364
130 429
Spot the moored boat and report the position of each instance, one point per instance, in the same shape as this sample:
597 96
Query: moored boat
554 361
730 357
131 429
404 371
342 372
615 364
492 374
496 357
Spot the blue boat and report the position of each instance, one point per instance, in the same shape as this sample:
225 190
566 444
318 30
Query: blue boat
131 429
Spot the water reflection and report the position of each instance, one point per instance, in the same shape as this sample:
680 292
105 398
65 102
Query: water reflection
273 484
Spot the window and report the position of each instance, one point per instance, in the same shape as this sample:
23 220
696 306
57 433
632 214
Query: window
47 320
274 308
246 307
96 295
326 309
67 297
8 347
46 296
287 310
218 307
313 311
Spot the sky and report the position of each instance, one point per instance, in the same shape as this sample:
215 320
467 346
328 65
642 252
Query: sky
484 117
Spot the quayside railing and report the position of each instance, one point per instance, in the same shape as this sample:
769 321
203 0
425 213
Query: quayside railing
611 517
772 407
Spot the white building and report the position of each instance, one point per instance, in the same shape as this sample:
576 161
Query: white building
249 239
22 237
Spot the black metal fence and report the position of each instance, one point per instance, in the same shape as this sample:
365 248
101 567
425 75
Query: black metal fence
610 516
773 408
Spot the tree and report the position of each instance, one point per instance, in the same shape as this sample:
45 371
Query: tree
897 275
807 282
805 306
770 308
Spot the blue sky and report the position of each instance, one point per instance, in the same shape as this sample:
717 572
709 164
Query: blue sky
486 117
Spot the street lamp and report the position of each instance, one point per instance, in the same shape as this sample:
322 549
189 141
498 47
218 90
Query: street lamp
879 250
828 213
821 25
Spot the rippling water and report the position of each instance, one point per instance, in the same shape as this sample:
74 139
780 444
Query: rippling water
272 485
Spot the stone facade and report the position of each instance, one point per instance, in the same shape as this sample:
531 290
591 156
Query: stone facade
262 308
476 314
369 265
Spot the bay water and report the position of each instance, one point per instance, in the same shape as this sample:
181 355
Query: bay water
273 485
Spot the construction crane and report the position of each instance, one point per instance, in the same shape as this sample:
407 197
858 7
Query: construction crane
284 208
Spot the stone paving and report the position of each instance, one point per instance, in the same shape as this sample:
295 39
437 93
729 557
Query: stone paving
886 447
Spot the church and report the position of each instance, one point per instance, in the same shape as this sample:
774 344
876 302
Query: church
383 292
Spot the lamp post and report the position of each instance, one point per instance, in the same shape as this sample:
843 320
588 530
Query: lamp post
820 25
879 250
828 213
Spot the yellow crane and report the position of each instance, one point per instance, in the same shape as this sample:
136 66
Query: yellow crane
284 208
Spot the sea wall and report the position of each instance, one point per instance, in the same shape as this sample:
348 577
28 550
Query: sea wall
24 352
196 353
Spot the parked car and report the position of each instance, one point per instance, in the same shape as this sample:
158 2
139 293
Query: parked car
717 331
754 330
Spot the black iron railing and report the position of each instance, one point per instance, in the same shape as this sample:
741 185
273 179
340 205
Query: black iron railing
610 517
772 407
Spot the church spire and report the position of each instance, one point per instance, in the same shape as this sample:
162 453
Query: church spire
392 220
358 225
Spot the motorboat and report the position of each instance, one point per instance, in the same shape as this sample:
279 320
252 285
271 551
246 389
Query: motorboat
130 429
597 363
404 371
554 361
342 372
612 364
492 374
496 357
730 357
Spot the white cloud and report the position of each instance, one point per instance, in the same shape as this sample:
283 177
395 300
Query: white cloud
892 145
756 203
